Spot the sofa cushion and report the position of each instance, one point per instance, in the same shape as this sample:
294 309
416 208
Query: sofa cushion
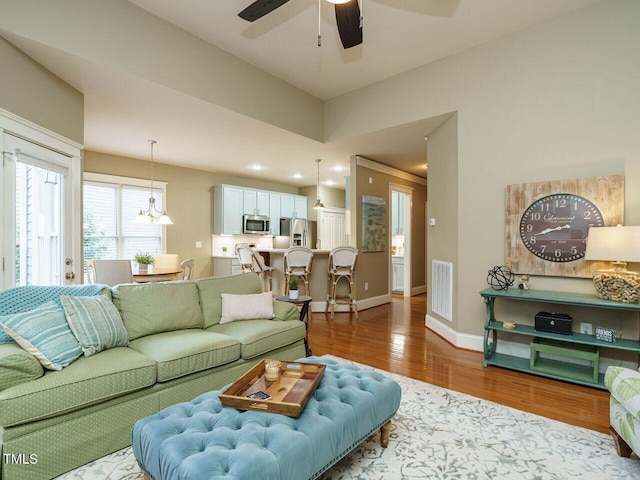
183 352
211 288
246 307
87 381
44 333
95 322
158 307
17 366
259 337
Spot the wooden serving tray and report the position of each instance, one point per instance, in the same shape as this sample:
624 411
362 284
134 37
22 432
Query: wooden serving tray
289 394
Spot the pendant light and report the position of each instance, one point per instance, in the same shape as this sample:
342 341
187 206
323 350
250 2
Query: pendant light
152 214
318 205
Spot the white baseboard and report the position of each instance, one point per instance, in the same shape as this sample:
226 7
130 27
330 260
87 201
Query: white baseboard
362 304
460 340
418 290
522 350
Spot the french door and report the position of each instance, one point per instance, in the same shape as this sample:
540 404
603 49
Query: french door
40 214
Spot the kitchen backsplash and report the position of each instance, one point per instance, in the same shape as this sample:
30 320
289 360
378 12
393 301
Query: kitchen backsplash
220 241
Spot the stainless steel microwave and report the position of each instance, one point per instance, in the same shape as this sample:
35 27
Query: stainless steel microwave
255 224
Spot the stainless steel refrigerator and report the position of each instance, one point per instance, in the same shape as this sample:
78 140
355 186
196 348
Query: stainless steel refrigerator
297 230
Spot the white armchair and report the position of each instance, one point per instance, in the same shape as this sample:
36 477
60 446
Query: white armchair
624 408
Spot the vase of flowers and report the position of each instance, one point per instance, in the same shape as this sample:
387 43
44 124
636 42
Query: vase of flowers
144 260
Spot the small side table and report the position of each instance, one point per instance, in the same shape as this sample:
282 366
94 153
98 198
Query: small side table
305 315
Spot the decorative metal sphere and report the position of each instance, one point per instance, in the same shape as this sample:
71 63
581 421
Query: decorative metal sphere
500 278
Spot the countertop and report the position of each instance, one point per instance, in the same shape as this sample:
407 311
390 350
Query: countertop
282 250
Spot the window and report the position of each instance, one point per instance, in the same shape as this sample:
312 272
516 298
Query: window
111 205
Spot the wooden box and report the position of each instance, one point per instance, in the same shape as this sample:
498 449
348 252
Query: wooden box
289 394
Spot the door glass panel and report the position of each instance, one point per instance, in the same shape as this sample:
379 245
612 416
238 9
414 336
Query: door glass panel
39 226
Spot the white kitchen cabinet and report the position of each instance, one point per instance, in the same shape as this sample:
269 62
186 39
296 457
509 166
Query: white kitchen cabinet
287 206
226 266
227 210
255 202
232 202
274 213
293 206
300 204
397 277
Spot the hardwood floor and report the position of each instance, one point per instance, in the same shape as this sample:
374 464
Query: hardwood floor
393 337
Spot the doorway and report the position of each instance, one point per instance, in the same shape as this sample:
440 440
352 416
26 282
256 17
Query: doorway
40 217
400 241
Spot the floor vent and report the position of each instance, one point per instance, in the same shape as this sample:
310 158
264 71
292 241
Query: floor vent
442 288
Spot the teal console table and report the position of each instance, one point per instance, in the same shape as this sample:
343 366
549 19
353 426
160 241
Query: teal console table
559 370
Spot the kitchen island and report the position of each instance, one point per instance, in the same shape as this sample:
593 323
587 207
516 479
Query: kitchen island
317 280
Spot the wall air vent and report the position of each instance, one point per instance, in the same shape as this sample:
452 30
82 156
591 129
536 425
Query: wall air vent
442 288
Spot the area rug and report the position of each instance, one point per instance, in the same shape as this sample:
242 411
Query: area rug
442 434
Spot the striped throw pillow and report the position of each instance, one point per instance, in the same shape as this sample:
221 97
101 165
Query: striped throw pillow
45 334
95 322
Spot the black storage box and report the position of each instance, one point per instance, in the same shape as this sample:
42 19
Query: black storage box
553 322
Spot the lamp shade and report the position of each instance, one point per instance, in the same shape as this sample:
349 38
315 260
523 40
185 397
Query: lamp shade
615 244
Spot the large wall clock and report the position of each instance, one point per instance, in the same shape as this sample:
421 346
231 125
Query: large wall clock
547 223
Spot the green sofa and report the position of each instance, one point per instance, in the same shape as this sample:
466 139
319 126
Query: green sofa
54 421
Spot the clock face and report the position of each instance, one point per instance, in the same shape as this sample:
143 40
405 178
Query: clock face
555 227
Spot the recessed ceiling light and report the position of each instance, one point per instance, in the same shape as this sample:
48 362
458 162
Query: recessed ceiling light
329 183
338 168
256 167
297 175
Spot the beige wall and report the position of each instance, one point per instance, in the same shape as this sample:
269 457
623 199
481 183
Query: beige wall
121 36
442 202
189 201
373 267
331 197
555 101
30 91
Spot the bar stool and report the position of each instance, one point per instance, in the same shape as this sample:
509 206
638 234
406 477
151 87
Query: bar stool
263 270
245 257
342 264
297 262
252 261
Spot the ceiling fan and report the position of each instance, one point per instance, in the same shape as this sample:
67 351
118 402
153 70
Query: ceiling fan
348 18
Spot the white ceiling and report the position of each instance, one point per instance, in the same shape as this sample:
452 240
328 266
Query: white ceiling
122 111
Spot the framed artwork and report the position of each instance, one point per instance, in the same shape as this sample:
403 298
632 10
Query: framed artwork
547 223
374 218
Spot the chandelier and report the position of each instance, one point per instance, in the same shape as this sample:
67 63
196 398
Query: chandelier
152 214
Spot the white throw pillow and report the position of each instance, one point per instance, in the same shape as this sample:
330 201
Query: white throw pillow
246 307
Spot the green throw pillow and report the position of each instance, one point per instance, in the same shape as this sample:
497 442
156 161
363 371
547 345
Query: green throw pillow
95 322
45 334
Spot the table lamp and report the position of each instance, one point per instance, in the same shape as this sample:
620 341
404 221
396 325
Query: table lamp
618 245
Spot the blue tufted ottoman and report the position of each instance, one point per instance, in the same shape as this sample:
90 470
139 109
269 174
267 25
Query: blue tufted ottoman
203 440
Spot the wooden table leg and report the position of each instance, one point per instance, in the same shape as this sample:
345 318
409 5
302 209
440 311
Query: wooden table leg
384 434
